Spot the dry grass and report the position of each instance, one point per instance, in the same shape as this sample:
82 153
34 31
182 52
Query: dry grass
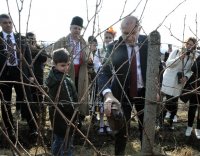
168 143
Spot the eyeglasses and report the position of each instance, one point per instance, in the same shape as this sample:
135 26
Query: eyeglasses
107 37
127 34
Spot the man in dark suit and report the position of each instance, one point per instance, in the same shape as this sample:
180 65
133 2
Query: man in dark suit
11 66
129 51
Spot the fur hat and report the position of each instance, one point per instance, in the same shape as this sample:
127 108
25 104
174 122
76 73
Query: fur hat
77 21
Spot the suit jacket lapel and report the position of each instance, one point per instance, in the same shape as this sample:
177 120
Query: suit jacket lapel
2 44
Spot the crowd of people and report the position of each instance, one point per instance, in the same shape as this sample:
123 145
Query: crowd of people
118 70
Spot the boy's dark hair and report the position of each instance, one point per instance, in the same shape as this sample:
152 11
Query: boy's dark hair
92 39
60 56
2 16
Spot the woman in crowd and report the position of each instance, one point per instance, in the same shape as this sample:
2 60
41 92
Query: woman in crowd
178 71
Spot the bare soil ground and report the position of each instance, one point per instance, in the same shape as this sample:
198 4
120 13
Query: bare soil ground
172 143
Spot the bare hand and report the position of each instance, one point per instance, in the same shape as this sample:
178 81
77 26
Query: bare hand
31 79
90 61
182 56
184 79
109 99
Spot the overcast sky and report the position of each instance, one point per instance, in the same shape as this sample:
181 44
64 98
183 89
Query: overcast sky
50 19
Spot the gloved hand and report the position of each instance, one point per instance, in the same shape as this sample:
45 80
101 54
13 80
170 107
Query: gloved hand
109 100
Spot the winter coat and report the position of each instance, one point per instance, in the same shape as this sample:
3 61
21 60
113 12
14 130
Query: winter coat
83 81
174 64
65 103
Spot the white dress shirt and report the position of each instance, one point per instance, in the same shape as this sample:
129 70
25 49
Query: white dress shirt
140 83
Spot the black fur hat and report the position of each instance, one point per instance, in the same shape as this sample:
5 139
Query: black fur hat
77 21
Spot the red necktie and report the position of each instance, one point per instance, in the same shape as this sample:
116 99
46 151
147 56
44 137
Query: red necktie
133 76
11 51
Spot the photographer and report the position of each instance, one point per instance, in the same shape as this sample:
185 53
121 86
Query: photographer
178 71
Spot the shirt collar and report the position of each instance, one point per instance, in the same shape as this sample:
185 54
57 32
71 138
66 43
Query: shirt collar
5 35
135 46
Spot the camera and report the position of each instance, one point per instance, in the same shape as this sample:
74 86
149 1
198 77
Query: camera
189 51
180 75
117 115
116 120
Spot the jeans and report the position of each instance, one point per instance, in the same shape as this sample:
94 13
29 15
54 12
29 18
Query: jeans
61 151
